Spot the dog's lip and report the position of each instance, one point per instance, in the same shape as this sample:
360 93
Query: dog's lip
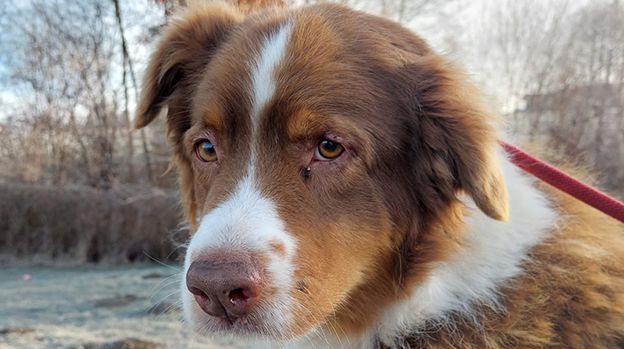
240 326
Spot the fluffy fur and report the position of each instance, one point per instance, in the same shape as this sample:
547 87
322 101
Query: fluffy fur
421 234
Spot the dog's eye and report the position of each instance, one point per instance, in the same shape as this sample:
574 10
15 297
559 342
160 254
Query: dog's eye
205 151
329 150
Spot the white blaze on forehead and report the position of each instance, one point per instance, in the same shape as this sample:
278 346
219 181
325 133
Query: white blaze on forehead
263 70
248 220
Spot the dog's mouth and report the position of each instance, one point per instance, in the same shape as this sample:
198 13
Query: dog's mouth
261 324
243 326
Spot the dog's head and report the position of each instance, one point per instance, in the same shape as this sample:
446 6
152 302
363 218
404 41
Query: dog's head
321 153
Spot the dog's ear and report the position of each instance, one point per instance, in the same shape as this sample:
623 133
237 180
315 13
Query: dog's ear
458 129
184 50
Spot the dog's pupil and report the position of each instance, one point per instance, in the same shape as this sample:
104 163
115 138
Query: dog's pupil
208 148
329 146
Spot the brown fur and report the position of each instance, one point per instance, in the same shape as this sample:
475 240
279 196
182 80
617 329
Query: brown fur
370 225
570 296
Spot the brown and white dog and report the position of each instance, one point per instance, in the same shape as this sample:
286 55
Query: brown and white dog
346 190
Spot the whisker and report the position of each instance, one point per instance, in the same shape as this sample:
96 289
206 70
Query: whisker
158 261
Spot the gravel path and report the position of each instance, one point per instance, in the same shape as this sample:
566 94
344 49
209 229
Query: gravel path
94 307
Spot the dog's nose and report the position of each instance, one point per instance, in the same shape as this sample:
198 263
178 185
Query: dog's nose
224 288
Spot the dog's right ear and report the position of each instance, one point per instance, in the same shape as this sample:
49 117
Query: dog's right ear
184 50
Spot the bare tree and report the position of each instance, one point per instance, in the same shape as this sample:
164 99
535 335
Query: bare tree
67 80
128 68
558 68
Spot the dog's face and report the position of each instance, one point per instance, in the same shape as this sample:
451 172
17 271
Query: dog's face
321 152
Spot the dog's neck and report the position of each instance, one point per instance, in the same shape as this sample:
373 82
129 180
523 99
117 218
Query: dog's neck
492 254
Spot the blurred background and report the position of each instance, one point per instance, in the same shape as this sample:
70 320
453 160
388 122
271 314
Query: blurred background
90 224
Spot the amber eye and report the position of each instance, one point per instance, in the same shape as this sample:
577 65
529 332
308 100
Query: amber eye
205 151
329 149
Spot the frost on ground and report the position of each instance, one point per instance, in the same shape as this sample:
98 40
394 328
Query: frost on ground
94 307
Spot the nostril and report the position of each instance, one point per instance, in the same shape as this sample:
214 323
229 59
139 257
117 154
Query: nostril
196 291
238 296
209 304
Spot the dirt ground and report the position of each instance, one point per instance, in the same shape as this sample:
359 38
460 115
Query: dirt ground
94 307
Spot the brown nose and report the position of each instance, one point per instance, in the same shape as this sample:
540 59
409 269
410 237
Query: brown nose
224 288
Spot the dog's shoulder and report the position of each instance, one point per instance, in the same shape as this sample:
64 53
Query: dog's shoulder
570 294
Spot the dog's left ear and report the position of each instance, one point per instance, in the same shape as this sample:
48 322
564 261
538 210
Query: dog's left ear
455 126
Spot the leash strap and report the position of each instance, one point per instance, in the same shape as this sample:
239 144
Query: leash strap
564 182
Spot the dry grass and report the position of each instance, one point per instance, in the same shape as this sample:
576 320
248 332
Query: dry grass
78 225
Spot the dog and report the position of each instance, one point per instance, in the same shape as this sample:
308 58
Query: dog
346 189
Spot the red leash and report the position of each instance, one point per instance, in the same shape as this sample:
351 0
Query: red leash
564 182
